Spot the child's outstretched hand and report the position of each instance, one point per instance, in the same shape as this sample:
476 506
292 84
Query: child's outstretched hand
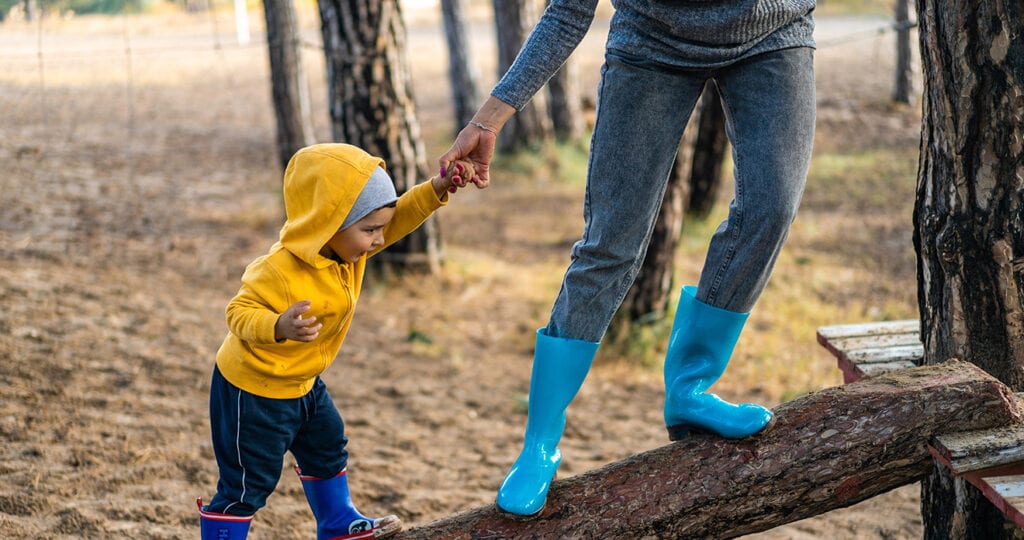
291 325
459 174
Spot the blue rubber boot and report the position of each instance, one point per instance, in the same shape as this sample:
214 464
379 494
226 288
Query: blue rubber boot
559 368
336 516
703 338
214 526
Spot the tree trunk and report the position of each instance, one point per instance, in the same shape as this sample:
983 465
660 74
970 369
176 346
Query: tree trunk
529 127
827 450
372 106
969 214
566 104
461 71
708 153
903 87
288 80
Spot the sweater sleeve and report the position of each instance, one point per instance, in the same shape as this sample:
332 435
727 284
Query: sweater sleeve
556 36
250 314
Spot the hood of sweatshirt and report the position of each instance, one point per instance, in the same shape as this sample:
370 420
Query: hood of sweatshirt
321 184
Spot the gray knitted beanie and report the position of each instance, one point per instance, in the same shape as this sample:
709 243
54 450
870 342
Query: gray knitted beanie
378 192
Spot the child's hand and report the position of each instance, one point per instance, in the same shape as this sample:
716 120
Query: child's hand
458 175
291 325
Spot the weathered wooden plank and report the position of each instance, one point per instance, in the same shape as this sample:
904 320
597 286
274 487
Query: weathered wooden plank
827 450
1006 493
912 353
872 349
965 452
881 368
869 329
854 343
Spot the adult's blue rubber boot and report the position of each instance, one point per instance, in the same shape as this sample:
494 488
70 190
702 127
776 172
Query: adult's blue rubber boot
215 526
559 367
702 342
336 516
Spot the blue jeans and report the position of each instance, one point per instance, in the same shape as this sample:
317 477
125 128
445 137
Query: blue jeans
642 109
251 435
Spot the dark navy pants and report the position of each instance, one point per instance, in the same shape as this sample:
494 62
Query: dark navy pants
251 435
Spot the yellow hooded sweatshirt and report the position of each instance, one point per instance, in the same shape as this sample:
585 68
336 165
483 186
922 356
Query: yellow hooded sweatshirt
321 183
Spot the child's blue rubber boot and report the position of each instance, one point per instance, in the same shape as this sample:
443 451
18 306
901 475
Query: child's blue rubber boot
214 526
702 341
559 368
336 516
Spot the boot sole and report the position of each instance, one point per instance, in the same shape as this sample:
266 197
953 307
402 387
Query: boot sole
679 432
519 517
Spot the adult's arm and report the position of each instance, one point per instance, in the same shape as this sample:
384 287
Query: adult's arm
556 36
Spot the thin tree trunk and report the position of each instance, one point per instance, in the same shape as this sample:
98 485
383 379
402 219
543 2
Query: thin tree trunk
532 125
462 72
289 89
708 153
903 87
566 106
827 450
371 105
969 217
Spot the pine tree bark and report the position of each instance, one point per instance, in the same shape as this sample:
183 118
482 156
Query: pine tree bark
827 450
531 126
462 72
708 153
289 89
969 217
371 105
566 106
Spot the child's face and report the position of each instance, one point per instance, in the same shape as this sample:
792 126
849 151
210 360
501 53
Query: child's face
362 236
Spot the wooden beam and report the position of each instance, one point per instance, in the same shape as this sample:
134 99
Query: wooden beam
990 459
970 451
871 349
827 450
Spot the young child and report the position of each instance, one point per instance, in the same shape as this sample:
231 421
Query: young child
287 324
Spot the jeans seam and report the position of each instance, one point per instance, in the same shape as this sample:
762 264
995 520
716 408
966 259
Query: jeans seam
731 252
590 157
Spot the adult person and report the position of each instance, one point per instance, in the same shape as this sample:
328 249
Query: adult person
659 55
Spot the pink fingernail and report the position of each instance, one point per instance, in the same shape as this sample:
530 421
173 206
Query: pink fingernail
458 166
452 189
442 172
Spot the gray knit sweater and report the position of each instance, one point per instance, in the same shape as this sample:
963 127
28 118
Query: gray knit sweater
675 33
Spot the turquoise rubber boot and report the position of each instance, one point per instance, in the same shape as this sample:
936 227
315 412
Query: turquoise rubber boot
336 516
214 526
559 368
703 338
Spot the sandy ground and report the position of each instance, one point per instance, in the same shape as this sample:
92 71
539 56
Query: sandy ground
135 189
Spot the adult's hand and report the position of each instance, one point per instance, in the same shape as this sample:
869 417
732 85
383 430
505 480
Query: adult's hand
475 143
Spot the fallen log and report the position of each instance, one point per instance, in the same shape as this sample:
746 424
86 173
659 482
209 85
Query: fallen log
827 450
